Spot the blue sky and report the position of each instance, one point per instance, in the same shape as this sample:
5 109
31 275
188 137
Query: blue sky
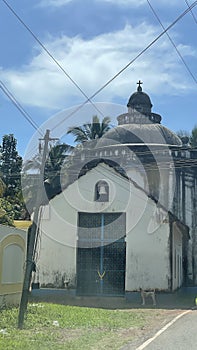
93 40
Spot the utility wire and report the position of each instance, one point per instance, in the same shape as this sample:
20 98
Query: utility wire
192 13
131 62
146 48
19 107
50 55
172 42
116 75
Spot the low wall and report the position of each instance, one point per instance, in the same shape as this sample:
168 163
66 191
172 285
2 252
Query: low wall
7 300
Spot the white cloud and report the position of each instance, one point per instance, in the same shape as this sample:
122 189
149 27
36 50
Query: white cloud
54 3
91 63
59 3
127 3
137 3
133 3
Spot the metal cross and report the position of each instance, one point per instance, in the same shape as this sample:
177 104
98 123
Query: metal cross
139 83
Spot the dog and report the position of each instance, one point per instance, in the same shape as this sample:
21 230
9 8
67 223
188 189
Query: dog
147 293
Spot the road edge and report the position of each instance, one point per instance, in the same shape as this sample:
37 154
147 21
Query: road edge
148 341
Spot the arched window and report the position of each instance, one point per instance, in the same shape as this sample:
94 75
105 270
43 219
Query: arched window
102 191
13 260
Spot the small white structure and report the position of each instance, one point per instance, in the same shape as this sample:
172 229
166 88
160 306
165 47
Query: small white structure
104 235
12 259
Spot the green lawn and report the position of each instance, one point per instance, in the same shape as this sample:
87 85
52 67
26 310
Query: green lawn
52 326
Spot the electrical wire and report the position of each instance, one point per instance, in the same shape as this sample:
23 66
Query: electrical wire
115 76
145 49
19 107
192 13
131 62
88 99
50 55
172 42
155 153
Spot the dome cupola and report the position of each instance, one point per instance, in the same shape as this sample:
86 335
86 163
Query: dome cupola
140 125
140 101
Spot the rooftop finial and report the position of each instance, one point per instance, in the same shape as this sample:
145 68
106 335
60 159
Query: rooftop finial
139 83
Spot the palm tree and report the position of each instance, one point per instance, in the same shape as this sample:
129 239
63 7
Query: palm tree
90 131
56 158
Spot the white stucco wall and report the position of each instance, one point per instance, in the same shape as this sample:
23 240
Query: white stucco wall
148 259
59 224
147 231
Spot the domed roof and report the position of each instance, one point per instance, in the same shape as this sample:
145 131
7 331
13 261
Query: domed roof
140 126
148 134
140 101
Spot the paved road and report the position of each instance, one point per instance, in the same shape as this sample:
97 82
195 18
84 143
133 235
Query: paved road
181 335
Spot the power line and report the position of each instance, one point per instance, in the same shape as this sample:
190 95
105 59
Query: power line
145 49
19 107
131 62
192 13
172 42
116 75
50 55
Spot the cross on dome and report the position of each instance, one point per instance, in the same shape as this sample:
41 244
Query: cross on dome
139 83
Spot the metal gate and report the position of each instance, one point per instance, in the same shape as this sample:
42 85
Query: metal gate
101 254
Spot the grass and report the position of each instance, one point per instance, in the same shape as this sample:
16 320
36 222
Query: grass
75 328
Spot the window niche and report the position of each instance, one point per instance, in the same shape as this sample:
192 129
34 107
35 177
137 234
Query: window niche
13 263
102 191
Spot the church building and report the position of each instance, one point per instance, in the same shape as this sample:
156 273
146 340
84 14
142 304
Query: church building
124 218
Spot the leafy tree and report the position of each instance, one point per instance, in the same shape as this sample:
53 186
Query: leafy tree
193 138
2 188
10 165
56 158
90 131
6 209
7 213
12 203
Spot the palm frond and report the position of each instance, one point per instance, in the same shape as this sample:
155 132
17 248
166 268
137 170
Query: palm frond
90 131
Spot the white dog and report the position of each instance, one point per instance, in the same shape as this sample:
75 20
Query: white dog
147 293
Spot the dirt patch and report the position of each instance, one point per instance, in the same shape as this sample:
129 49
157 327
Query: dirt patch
154 322
69 334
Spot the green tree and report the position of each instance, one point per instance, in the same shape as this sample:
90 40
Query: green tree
90 131
10 169
10 165
7 212
6 209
